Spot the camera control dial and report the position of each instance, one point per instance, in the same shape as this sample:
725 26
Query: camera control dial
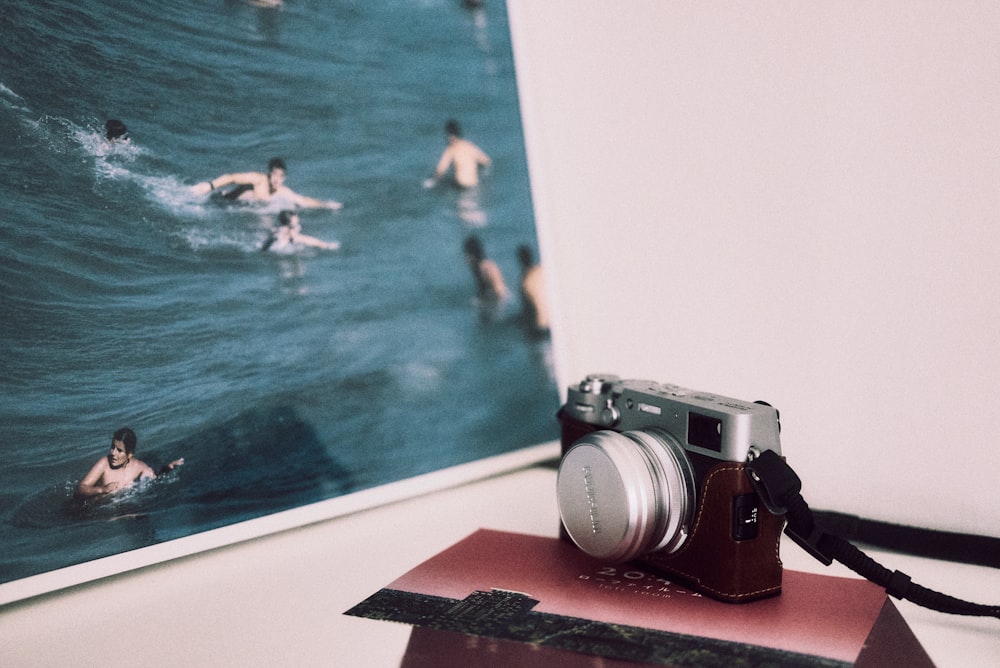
598 383
609 415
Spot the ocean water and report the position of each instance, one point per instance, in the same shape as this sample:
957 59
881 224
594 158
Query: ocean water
282 379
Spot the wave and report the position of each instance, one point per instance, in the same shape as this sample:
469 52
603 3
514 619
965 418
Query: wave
122 169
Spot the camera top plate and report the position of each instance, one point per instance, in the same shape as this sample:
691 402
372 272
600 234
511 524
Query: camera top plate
709 424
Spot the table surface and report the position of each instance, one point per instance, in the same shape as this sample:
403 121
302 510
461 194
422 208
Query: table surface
280 599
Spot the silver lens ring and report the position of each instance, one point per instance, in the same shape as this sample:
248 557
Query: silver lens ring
606 497
625 494
674 485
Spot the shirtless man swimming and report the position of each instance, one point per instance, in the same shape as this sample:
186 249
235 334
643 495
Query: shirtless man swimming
463 155
260 187
119 469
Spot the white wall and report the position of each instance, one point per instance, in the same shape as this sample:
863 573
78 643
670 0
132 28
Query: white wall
789 201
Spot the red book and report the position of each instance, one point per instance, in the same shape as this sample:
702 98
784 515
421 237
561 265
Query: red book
540 601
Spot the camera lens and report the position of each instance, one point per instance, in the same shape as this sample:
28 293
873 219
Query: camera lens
625 494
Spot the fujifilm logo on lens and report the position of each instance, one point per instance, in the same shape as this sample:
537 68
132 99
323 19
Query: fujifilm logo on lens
588 486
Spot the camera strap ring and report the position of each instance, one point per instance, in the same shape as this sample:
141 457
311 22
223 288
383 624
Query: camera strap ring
779 487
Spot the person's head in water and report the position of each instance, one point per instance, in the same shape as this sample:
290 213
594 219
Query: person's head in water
290 219
452 128
122 447
473 248
115 130
276 173
525 257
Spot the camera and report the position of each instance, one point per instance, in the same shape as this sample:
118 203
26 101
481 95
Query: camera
656 473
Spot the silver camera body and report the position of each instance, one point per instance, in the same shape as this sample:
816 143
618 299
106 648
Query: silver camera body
656 472
708 424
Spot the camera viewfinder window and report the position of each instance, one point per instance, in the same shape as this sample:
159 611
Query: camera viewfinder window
705 432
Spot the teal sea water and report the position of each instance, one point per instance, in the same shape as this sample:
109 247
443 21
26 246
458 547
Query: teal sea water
282 379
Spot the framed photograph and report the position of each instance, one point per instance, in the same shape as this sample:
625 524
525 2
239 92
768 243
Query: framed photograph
263 263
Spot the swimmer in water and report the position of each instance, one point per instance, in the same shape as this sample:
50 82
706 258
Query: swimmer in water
491 290
119 469
533 293
461 154
289 233
115 130
260 187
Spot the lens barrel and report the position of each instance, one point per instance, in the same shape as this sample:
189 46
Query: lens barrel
625 494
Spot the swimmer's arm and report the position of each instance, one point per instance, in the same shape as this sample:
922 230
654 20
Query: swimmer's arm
482 158
313 203
491 272
442 167
251 178
307 240
146 471
171 466
444 163
88 486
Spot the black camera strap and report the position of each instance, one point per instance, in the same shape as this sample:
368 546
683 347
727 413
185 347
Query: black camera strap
779 488
917 541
